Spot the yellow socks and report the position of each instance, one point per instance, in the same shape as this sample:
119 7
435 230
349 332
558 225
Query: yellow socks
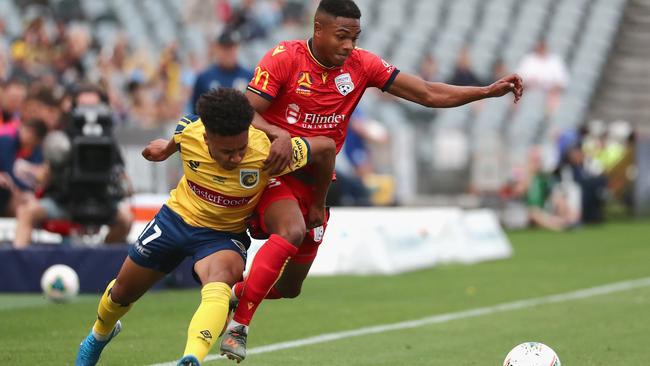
208 320
108 313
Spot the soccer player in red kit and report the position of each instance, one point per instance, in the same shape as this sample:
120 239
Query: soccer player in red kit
310 88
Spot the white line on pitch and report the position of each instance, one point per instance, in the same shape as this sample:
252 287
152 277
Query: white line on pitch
443 318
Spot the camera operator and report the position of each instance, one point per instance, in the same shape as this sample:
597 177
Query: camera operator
85 183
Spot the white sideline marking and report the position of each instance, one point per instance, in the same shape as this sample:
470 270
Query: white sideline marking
443 318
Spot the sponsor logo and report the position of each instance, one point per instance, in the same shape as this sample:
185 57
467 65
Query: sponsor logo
333 118
206 334
312 120
318 233
299 152
274 182
304 84
194 165
248 178
389 67
219 179
259 75
344 84
139 247
279 49
216 198
240 245
293 113
324 76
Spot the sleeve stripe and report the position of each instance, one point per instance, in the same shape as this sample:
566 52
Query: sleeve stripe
390 80
184 121
268 97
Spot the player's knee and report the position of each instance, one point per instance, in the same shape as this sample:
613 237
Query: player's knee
294 233
28 210
229 276
121 295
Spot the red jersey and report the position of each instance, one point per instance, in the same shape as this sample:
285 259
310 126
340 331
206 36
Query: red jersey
310 99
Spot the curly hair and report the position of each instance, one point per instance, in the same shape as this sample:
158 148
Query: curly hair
340 8
225 111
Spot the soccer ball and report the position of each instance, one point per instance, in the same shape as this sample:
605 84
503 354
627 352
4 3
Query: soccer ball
60 283
532 354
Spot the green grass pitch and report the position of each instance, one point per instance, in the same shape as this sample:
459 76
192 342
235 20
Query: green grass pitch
609 329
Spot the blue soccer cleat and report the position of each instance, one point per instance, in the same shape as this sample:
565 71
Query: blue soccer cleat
188 360
90 349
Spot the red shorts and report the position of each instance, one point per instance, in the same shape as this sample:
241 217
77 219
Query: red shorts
282 188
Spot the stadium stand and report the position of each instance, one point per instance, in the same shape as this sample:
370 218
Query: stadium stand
580 31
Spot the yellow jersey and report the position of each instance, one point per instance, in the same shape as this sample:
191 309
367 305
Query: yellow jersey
210 196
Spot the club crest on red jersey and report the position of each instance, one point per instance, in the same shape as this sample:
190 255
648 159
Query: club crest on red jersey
344 84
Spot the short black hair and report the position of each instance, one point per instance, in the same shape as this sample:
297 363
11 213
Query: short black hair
38 126
225 111
340 8
45 95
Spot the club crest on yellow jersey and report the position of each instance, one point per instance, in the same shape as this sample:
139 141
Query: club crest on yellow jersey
248 178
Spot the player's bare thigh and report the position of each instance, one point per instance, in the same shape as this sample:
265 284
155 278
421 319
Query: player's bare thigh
284 218
225 266
133 281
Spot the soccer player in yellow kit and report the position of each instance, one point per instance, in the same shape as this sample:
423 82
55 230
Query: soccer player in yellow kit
205 217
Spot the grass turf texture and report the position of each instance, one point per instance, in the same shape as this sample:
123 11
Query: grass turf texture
602 330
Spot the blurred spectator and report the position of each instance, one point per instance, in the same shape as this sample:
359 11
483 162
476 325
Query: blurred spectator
12 96
463 74
142 106
592 184
246 21
428 68
173 92
499 69
74 46
545 71
53 205
226 71
358 184
293 22
551 203
20 161
42 103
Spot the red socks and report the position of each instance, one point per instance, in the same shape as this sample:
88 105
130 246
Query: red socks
273 294
265 271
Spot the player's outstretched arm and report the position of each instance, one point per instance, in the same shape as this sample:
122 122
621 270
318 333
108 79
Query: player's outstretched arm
159 150
280 155
441 95
323 157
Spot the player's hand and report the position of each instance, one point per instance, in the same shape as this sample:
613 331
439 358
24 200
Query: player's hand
7 182
509 84
280 154
156 150
25 172
315 216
